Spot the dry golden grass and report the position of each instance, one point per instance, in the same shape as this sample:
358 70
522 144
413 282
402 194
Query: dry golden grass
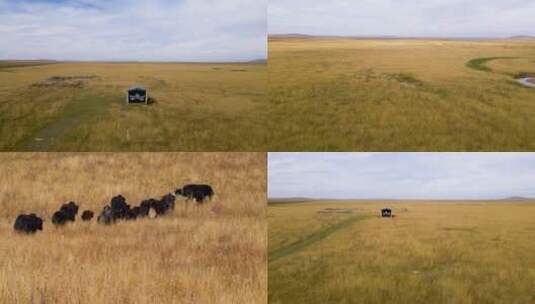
398 95
431 252
215 253
198 107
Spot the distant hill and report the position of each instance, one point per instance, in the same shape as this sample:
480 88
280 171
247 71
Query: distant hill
24 63
393 37
518 198
258 61
522 37
302 36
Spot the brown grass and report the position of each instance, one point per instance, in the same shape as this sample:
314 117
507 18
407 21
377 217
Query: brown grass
431 252
215 253
398 95
196 107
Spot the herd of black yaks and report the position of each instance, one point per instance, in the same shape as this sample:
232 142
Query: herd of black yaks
116 210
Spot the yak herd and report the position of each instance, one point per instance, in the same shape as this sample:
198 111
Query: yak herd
117 209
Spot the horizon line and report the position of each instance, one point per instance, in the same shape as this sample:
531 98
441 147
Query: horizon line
402 199
259 60
502 37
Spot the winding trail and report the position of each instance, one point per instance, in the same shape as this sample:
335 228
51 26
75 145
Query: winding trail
479 65
312 238
72 116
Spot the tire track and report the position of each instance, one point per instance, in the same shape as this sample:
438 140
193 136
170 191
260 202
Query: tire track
312 238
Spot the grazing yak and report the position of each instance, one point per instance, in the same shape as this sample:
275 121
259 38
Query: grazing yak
118 209
106 216
67 213
165 204
87 215
59 218
146 206
196 192
160 207
28 223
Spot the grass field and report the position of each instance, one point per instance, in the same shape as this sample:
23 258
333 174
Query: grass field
431 252
331 94
215 253
197 107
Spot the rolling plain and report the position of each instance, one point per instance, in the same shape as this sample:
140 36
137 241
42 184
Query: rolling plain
430 252
341 94
210 253
80 106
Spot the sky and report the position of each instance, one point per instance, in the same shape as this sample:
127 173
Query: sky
142 30
407 18
401 175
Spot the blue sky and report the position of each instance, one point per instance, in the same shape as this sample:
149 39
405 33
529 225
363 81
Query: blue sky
437 18
401 175
153 30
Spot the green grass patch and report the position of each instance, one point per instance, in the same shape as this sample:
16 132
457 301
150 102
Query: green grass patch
479 64
312 238
85 107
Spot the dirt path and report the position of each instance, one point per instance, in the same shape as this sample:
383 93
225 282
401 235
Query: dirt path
74 114
312 238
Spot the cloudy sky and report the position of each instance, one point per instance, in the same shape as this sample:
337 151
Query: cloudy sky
174 30
401 175
437 18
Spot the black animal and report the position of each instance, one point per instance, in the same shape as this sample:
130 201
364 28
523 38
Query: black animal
386 212
165 204
106 216
199 193
145 207
87 215
118 209
59 218
70 210
28 223
67 213
161 207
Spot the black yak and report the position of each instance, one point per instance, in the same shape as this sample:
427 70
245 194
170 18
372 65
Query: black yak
28 223
70 210
87 215
106 216
67 212
59 218
199 193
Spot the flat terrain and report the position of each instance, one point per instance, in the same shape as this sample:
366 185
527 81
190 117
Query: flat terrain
400 95
214 253
431 252
47 106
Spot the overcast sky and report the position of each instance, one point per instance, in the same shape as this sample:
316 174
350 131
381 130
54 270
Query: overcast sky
437 18
401 175
170 30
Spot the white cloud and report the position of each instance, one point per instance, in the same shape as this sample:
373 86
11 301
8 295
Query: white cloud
187 30
401 175
440 18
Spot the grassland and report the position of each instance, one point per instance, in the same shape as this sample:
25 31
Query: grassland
196 107
332 94
215 253
431 252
